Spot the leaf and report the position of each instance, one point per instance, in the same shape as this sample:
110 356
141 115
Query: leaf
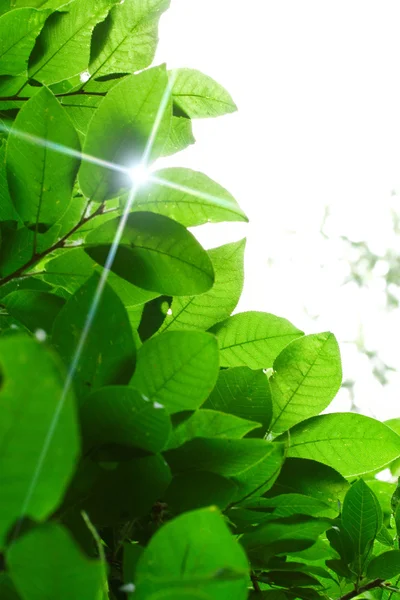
120 415
226 457
7 588
155 253
200 96
361 515
260 476
195 550
199 489
31 394
180 136
287 505
81 109
189 197
120 131
350 443
46 563
210 423
244 393
253 339
126 42
35 309
281 537
307 375
7 210
313 479
40 179
384 566
203 311
109 351
63 47
177 369
19 29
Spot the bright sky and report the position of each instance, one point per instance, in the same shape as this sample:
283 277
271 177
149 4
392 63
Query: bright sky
318 89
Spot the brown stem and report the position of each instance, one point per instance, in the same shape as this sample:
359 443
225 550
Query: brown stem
356 592
17 98
254 581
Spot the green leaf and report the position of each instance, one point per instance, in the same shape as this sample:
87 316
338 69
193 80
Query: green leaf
313 479
361 515
40 179
7 588
35 309
7 210
199 489
63 47
42 4
307 375
228 458
120 415
195 550
155 253
286 535
262 475
350 443
46 564
210 423
81 109
384 566
109 351
127 40
203 311
287 505
180 136
120 131
253 339
177 369
244 393
30 396
189 197
200 96
18 32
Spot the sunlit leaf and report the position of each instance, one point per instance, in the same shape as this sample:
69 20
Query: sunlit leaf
177 369
30 395
180 136
200 96
253 339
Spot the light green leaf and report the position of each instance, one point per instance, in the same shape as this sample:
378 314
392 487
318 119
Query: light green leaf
127 41
195 550
210 423
81 109
120 131
120 415
63 47
19 29
350 443
35 309
180 136
245 393
41 180
32 387
189 197
307 375
253 339
261 476
384 566
203 311
200 96
42 4
46 563
155 253
226 457
109 352
177 369
361 515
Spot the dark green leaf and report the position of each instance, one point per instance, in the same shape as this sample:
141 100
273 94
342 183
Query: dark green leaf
31 394
253 339
109 351
361 515
7 210
262 475
287 505
245 393
7 588
177 369
189 491
120 415
350 443
40 179
384 566
195 550
200 96
155 253
307 375
36 310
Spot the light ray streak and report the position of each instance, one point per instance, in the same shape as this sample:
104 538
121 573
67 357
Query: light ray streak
192 191
94 306
61 149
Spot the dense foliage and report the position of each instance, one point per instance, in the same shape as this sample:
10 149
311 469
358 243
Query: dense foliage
151 444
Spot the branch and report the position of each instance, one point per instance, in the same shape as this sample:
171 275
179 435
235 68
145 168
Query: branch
364 588
17 98
254 581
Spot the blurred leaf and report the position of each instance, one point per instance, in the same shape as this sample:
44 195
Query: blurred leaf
35 309
199 489
253 339
177 369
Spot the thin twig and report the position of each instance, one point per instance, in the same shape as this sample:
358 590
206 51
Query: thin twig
16 98
254 581
368 586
